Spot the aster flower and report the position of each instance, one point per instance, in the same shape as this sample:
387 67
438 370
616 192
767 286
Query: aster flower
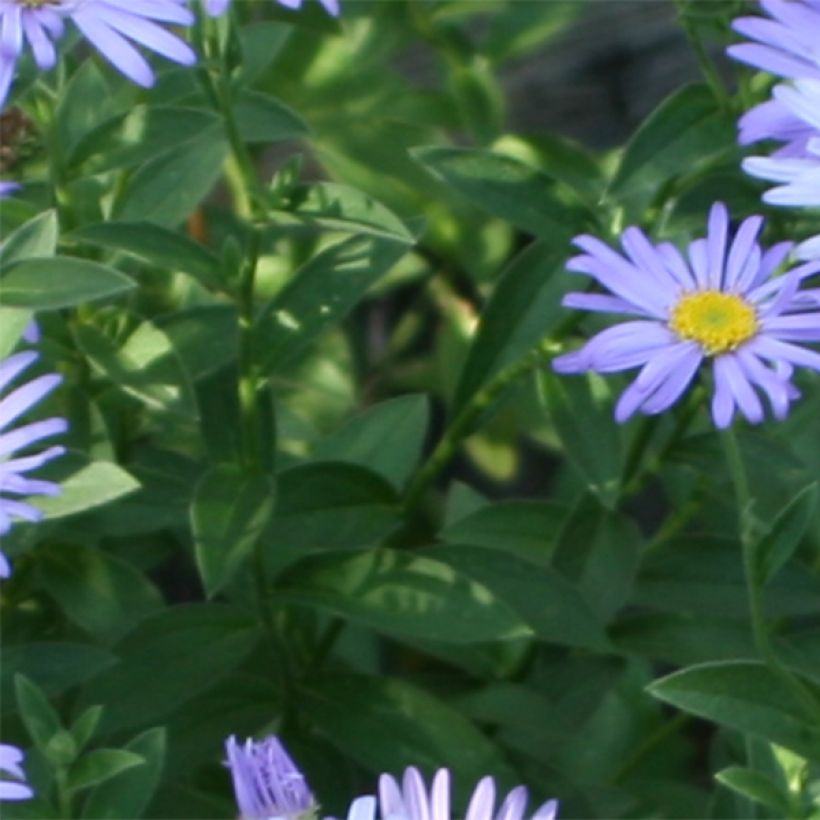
266 782
109 25
787 44
217 7
13 467
411 800
15 788
722 307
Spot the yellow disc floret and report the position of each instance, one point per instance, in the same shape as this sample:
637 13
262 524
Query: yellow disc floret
718 321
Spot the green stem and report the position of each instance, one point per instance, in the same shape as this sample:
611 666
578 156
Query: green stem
64 807
462 426
748 530
705 62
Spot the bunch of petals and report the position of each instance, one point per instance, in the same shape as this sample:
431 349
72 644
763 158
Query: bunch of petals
793 116
108 25
410 800
723 306
13 466
787 44
217 7
13 784
269 786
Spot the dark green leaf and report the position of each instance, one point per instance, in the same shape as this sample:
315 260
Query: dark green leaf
748 697
262 118
84 727
387 724
168 659
524 308
156 245
401 594
506 188
165 190
229 512
39 717
339 276
103 594
386 438
59 282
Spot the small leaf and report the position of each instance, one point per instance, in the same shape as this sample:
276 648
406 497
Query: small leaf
39 717
778 545
84 727
101 765
756 786
128 793
229 512
59 282
13 321
263 118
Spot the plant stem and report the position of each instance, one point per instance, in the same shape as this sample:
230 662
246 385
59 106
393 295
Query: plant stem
463 425
747 530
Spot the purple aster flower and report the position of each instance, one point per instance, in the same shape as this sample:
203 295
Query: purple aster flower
786 44
217 7
16 788
266 782
411 800
109 25
810 249
723 306
793 114
7 188
13 467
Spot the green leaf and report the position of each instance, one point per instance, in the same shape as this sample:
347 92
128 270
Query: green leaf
13 321
101 593
506 188
528 529
229 512
262 118
59 282
144 364
157 246
339 207
35 238
168 659
386 438
687 131
756 786
100 765
165 190
777 546
84 102
550 604
88 484
339 276
580 409
140 135
84 727
599 551
524 309
128 793
401 594
746 696
39 717
334 505
387 724
55 667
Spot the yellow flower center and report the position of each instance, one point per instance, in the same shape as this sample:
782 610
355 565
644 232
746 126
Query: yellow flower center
718 321
36 4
